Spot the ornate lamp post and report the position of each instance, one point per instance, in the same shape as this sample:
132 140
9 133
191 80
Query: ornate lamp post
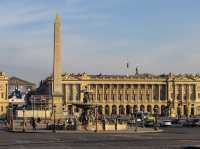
54 118
11 118
96 118
179 111
135 113
156 118
23 130
188 110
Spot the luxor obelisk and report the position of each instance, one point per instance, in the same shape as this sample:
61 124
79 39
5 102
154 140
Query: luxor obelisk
57 78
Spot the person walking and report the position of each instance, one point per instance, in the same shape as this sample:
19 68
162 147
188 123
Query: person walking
33 123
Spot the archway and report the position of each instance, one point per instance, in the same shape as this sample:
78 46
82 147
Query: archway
100 110
107 110
156 107
142 108
163 111
149 109
135 108
128 109
114 110
121 110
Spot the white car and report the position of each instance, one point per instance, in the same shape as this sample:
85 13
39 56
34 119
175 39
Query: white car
166 123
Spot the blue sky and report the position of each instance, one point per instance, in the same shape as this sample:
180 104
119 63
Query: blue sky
99 36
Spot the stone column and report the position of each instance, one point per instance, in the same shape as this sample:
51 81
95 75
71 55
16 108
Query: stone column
182 99
96 89
74 91
196 94
152 94
174 111
158 92
145 94
124 93
103 86
110 92
117 92
103 109
166 92
189 100
138 96
131 93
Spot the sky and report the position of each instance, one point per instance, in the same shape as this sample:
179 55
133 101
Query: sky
100 36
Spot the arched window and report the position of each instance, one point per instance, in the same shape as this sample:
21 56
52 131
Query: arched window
114 109
121 110
107 110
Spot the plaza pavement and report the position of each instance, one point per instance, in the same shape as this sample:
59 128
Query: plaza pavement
139 130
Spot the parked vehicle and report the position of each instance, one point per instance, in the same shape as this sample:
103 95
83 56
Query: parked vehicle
149 121
196 123
177 123
166 123
188 123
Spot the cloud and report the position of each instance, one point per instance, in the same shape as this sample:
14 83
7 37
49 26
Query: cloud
97 36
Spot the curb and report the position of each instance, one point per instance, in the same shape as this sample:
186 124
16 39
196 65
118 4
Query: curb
91 132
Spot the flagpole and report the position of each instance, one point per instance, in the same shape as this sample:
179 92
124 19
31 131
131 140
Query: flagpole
127 68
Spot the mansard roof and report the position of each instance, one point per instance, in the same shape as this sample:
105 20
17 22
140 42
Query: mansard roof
16 80
3 76
145 76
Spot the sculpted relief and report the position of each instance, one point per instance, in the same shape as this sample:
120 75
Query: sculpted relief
2 87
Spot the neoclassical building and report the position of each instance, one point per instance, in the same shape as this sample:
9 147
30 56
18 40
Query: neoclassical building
121 94
3 94
118 94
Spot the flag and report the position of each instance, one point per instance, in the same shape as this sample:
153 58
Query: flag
127 65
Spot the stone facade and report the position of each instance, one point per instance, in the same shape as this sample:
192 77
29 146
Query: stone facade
116 94
3 94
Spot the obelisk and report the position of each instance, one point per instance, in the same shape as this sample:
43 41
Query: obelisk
57 78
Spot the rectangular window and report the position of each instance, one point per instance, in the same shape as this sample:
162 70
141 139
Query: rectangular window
2 95
141 97
106 97
198 95
120 97
148 97
98 96
113 97
126 96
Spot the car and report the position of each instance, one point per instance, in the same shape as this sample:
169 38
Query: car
178 122
166 123
149 123
196 123
188 123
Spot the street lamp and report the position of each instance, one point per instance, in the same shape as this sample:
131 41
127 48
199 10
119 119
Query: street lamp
96 118
156 118
169 103
54 118
136 124
11 118
23 130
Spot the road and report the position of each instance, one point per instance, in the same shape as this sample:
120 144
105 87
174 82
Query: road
170 138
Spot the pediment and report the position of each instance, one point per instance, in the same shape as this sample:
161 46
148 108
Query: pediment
84 76
185 78
69 77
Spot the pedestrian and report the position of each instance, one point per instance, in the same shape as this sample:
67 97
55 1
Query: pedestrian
104 123
33 123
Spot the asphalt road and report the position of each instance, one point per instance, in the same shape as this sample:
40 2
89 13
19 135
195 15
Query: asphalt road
170 138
